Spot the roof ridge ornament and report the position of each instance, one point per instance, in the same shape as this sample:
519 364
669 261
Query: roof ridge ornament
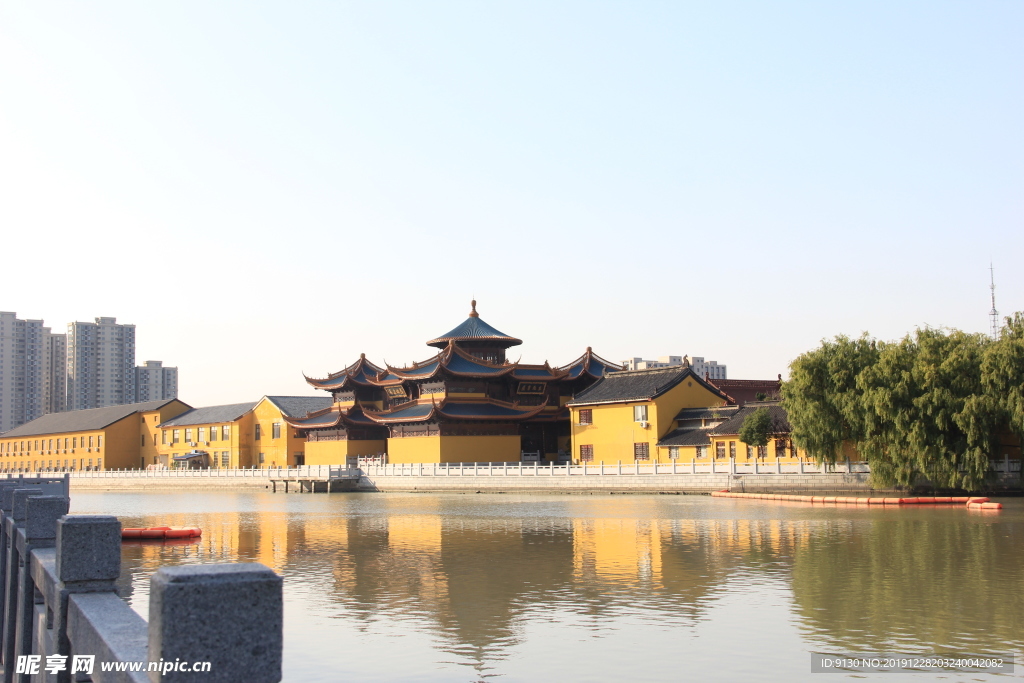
473 313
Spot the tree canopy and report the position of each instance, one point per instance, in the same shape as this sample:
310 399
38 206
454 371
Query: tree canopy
756 427
931 404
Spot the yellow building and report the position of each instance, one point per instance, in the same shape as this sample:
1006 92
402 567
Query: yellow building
466 403
238 435
624 415
116 437
713 435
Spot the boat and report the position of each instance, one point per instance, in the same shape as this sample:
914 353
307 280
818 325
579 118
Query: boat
162 532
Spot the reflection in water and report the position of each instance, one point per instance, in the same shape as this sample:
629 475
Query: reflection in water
930 580
436 587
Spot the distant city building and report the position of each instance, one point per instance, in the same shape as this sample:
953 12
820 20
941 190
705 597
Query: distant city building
154 382
101 364
22 370
704 369
56 372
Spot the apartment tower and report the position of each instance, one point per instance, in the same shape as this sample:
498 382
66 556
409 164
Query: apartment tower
100 364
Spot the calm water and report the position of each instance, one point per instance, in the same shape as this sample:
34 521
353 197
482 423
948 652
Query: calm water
448 587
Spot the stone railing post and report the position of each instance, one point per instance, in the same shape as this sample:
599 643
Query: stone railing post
229 615
40 531
88 560
14 520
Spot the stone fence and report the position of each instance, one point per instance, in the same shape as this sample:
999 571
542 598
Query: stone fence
61 619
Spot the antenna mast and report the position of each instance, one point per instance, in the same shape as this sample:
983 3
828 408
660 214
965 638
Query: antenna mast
993 314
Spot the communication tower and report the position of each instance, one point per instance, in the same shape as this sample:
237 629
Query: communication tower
993 314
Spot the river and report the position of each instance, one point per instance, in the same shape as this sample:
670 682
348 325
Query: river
470 587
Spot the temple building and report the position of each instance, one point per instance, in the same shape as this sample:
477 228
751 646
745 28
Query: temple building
467 403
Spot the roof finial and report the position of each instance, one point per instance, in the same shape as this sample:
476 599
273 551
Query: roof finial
473 313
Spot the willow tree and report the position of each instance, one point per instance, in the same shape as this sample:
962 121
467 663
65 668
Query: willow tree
916 407
1002 374
822 394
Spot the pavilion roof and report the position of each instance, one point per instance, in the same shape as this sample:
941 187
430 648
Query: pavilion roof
474 329
362 372
591 364
332 416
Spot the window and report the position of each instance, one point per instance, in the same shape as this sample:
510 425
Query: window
99 463
90 442
258 433
639 413
780 448
202 433
225 458
586 453
732 449
175 436
99 441
587 417
673 452
213 433
762 452
263 457
719 449
642 451
702 451
142 441
276 430
163 436
188 434
750 452
225 432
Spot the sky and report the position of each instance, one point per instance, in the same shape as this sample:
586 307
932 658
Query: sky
271 189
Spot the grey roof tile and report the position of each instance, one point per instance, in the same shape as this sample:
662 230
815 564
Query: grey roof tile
300 406
210 415
80 420
637 385
779 418
687 437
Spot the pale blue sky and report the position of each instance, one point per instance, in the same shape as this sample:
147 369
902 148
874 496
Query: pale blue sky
266 189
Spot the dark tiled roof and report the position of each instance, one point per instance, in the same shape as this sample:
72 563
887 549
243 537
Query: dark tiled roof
746 390
719 413
300 406
636 385
473 328
80 420
211 415
328 419
686 437
780 421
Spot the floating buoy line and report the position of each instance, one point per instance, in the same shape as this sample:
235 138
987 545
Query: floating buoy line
161 532
972 502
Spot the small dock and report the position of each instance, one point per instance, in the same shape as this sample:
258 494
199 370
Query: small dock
314 479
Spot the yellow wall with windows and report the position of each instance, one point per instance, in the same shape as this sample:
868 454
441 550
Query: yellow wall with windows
238 445
48 451
149 431
280 451
427 449
337 452
614 431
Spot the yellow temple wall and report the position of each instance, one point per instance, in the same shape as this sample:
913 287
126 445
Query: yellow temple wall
427 449
337 452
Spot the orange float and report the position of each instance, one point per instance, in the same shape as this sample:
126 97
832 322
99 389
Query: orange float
161 532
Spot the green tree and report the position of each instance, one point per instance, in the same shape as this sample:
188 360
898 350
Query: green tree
1002 375
756 428
928 405
822 396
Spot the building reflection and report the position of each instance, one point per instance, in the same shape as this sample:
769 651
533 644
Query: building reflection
472 576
